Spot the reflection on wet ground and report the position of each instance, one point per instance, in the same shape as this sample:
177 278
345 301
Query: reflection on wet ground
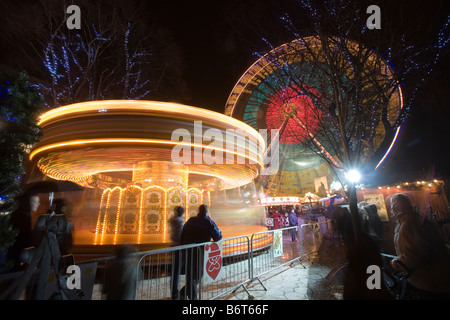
312 279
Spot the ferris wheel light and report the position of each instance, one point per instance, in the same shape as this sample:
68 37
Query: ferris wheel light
353 176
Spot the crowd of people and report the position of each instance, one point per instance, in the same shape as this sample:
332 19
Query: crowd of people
422 250
280 217
277 220
423 255
31 236
121 275
421 269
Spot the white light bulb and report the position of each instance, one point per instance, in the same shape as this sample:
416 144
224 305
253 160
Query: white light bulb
353 176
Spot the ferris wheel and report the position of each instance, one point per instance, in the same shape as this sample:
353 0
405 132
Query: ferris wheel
290 90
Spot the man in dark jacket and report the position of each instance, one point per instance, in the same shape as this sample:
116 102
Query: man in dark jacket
176 224
197 229
293 221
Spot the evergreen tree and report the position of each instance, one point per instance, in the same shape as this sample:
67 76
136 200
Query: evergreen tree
20 105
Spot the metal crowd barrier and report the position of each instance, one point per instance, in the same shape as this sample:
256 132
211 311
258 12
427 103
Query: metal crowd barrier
244 260
311 236
157 269
273 249
97 269
236 269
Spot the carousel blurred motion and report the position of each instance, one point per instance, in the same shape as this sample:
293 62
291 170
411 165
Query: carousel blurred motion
122 155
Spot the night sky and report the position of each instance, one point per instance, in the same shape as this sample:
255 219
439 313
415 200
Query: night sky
217 45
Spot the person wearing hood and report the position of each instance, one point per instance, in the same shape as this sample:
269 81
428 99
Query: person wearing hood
422 253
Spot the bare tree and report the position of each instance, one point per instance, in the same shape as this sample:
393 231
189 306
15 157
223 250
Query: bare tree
116 54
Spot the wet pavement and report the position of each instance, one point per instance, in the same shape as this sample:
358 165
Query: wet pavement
311 278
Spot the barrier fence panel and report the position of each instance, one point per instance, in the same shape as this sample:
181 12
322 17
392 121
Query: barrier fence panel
311 236
272 249
235 270
157 269
97 268
99 273
206 271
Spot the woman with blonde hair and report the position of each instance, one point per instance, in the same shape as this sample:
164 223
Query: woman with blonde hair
422 253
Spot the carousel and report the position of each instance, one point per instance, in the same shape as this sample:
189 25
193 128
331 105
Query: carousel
138 160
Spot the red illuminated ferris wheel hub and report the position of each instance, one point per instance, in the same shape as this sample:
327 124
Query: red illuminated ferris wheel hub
293 110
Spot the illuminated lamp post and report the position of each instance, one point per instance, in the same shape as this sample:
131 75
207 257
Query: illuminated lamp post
353 176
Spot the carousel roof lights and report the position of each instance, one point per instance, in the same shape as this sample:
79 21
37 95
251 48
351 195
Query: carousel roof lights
89 142
142 141
119 106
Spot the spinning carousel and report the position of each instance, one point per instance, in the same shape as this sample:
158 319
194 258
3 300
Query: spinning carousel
129 150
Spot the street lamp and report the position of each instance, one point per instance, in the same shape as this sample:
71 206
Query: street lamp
353 176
